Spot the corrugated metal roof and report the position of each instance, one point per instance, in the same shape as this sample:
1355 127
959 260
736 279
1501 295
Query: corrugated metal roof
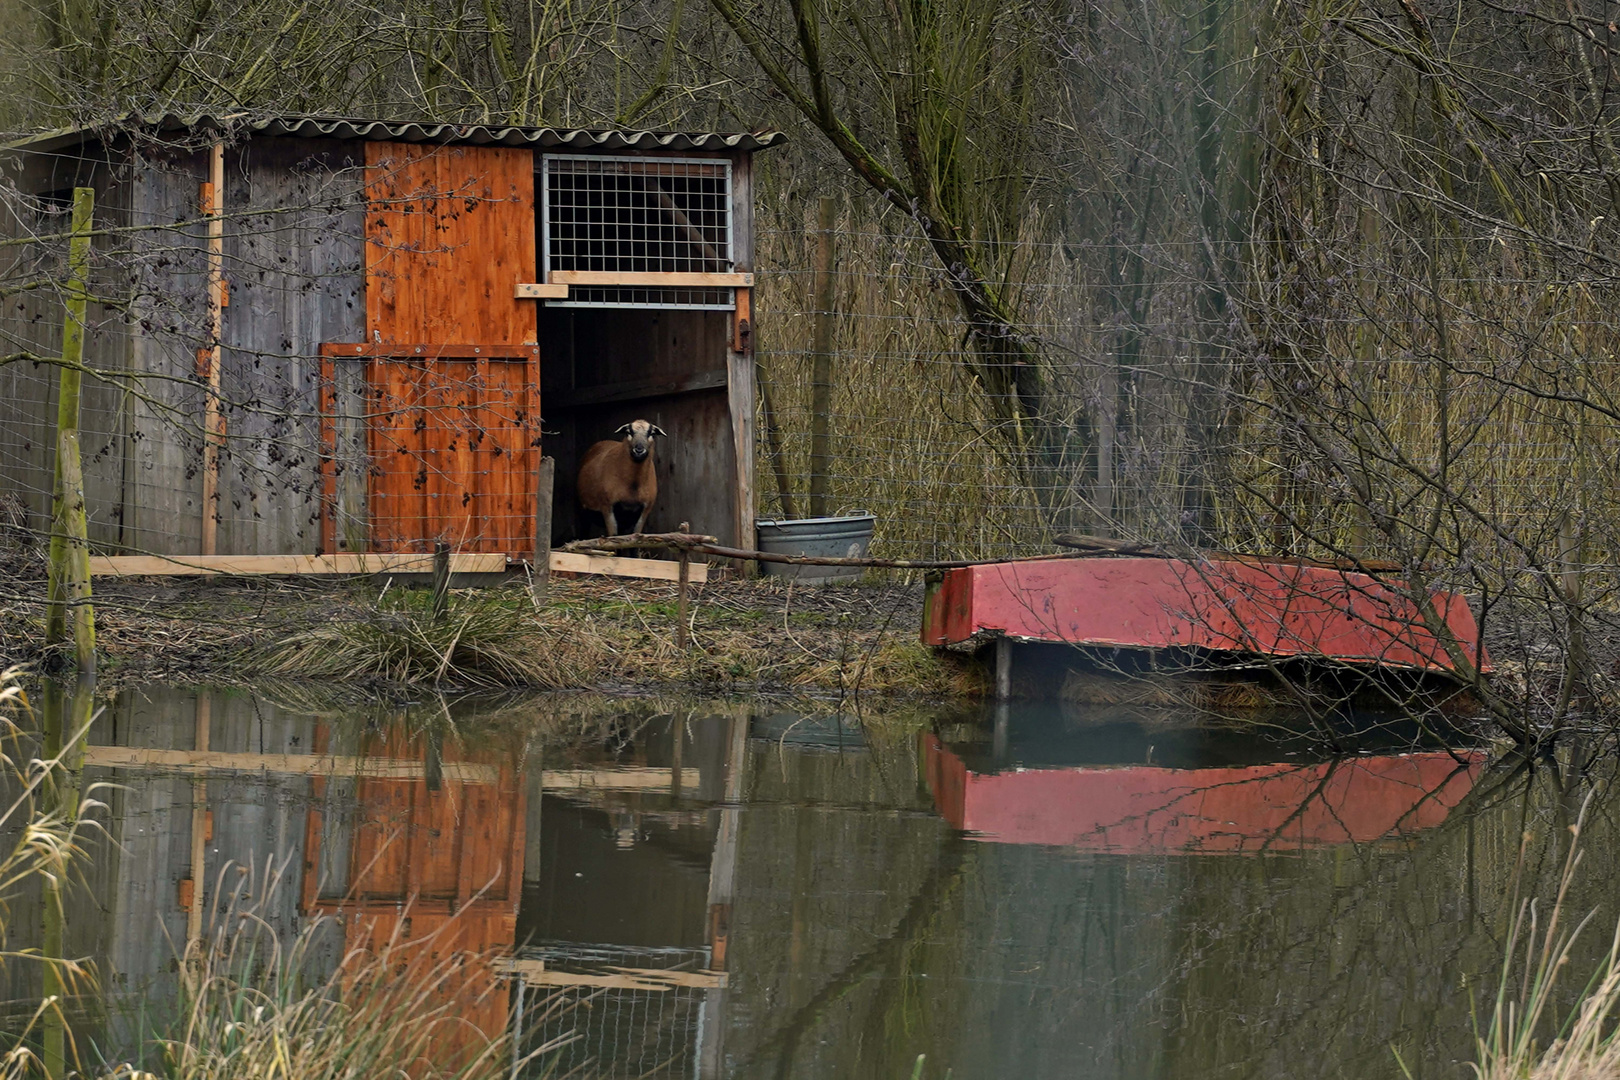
337 127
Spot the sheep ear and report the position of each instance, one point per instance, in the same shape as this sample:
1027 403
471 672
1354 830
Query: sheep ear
622 430
660 432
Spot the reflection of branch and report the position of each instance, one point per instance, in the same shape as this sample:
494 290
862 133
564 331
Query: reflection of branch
924 903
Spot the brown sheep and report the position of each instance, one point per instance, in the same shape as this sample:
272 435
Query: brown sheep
618 476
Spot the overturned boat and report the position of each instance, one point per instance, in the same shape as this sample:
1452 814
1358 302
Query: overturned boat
1133 613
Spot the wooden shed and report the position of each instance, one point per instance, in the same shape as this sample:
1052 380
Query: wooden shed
329 335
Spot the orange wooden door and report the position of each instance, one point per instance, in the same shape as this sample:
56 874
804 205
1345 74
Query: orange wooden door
454 386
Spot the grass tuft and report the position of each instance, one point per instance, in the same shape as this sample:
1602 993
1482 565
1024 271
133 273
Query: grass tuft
393 1007
484 640
1585 1045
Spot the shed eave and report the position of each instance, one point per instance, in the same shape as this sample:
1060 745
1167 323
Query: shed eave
357 129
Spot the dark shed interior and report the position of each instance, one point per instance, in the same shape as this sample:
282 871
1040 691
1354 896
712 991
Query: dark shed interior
605 367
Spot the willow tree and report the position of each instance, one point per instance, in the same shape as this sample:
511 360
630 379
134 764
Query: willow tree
947 111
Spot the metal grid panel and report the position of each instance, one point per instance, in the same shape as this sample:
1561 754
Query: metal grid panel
612 1032
665 216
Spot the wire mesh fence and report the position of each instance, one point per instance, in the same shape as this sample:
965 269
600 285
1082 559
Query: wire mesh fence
1506 429
1476 409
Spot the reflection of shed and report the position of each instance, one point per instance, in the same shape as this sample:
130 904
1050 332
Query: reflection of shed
436 859
395 304
1143 808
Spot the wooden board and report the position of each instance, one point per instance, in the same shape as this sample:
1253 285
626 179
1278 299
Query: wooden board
610 278
343 563
535 290
327 765
422 350
535 973
454 440
331 766
574 562
639 390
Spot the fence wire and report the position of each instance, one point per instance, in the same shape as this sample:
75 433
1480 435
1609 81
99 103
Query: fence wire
1155 423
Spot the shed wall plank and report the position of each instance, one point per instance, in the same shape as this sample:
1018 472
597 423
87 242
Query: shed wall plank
294 262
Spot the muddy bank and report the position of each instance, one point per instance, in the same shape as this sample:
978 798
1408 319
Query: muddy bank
748 636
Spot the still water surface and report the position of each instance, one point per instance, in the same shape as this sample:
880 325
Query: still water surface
1043 893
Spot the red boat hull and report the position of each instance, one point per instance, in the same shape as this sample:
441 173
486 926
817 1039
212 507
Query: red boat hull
1223 605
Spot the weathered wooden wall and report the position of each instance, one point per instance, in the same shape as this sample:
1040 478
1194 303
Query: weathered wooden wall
293 238
294 261
169 267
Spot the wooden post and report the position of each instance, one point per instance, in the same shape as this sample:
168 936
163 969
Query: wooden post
821 372
72 530
200 824
1569 574
773 444
1003 668
62 559
545 484
682 641
740 403
213 198
441 578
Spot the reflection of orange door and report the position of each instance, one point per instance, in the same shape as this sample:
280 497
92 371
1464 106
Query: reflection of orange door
441 866
454 381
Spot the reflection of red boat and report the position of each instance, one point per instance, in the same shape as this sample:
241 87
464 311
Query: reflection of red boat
1280 609
1142 808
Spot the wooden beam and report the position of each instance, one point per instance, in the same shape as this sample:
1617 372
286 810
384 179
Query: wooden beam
535 973
540 290
213 204
613 278
574 562
322 765
329 766
340 563
328 455
430 350
636 390
545 482
352 563
618 778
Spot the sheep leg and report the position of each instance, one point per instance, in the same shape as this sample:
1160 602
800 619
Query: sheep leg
641 553
609 521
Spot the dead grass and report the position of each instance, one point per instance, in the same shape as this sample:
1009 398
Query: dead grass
1584 1044
482 640
748 636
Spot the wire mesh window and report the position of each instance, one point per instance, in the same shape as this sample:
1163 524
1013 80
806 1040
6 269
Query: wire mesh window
634 1011
669 216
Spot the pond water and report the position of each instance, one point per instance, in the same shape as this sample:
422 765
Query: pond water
712 889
